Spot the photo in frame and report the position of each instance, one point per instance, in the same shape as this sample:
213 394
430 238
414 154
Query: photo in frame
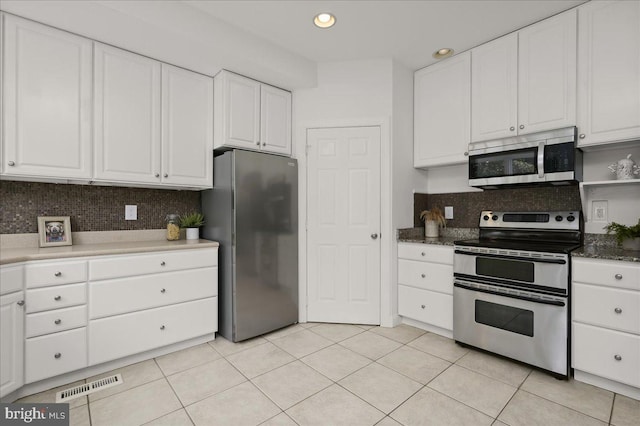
54 231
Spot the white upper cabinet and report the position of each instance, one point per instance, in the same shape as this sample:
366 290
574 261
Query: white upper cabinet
251 115
442 96
609 72
127 116
525 82
187 127
46 93
275 120
547 74
494 85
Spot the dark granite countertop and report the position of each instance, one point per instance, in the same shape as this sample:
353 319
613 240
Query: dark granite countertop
447 236
607 253
440 241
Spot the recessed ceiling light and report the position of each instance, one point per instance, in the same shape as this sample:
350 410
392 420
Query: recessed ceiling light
445 52
324 20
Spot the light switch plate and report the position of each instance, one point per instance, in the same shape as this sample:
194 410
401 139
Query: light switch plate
599 211
448 212
130 212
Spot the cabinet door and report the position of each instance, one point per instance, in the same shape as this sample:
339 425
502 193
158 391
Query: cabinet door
237 112
494 80
46 101
547 74
442 114
127 116
609 72
275 120
187 128
11 342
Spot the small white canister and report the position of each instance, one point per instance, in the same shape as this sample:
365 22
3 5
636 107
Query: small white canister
625 168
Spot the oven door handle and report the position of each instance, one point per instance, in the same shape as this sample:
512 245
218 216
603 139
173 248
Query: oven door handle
511 296
502 256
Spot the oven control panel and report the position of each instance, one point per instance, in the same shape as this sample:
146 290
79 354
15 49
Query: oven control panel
562 220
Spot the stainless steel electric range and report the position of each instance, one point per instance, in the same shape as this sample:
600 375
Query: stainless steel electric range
511 286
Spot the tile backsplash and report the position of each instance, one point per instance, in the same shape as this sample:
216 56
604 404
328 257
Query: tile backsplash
91 208
468 205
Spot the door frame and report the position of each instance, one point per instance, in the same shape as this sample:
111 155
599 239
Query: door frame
388 290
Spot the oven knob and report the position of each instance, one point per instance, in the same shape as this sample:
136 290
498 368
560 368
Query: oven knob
571 218
494 217
558 218
485 217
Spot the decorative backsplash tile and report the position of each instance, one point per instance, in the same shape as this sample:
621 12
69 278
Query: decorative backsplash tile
468 205
91 208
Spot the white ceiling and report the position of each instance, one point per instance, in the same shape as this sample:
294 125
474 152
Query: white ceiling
408 31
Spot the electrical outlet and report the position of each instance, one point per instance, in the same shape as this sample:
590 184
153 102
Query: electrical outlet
130 212
600 210
448 212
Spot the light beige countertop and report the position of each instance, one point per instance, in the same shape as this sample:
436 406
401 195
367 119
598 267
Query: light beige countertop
12 253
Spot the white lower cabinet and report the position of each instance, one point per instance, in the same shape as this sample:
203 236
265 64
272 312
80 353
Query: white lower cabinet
425 285
55 354
11 342
606 324
118 336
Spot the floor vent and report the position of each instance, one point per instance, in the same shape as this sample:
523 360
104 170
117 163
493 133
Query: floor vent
87 388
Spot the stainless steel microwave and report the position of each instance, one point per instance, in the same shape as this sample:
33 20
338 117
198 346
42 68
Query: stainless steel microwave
549 157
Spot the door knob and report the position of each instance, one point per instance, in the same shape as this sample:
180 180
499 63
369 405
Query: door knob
618 310
582 136
57 298
166 175
58 321
20 303
512 128
374 236
521 126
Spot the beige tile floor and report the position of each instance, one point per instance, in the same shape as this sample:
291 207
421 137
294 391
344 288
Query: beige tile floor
341 374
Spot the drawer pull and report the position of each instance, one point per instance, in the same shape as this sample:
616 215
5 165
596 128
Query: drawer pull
422 306
617 357
618 310
58 321
163 291
58 274
423 275
162 263
57 298
162 327
618 276
57 355
20 302
423 253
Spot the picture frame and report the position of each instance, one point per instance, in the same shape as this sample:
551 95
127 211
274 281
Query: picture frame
54 231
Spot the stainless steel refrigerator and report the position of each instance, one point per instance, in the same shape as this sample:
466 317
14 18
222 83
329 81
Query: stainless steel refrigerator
252 211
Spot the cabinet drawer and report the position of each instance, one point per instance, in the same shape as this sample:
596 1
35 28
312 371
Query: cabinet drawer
126 266
44 299
54 354
124 295
41 275
11 278
426 252
607 307
55 321
426 275
595 351
122 335
607 272
426 306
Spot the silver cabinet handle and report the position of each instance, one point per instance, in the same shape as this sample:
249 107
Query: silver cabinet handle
582 136
374 236
20 303
423 275
166 175
157 174
521 126
512 128
163 291
11 163
57 322
423 253
162 327
422 306
617 357
162 263
618 276
258 143
58 274
264 144
618 310
57 355
466 153
57 298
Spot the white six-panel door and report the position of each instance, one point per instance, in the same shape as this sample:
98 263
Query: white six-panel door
343 225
